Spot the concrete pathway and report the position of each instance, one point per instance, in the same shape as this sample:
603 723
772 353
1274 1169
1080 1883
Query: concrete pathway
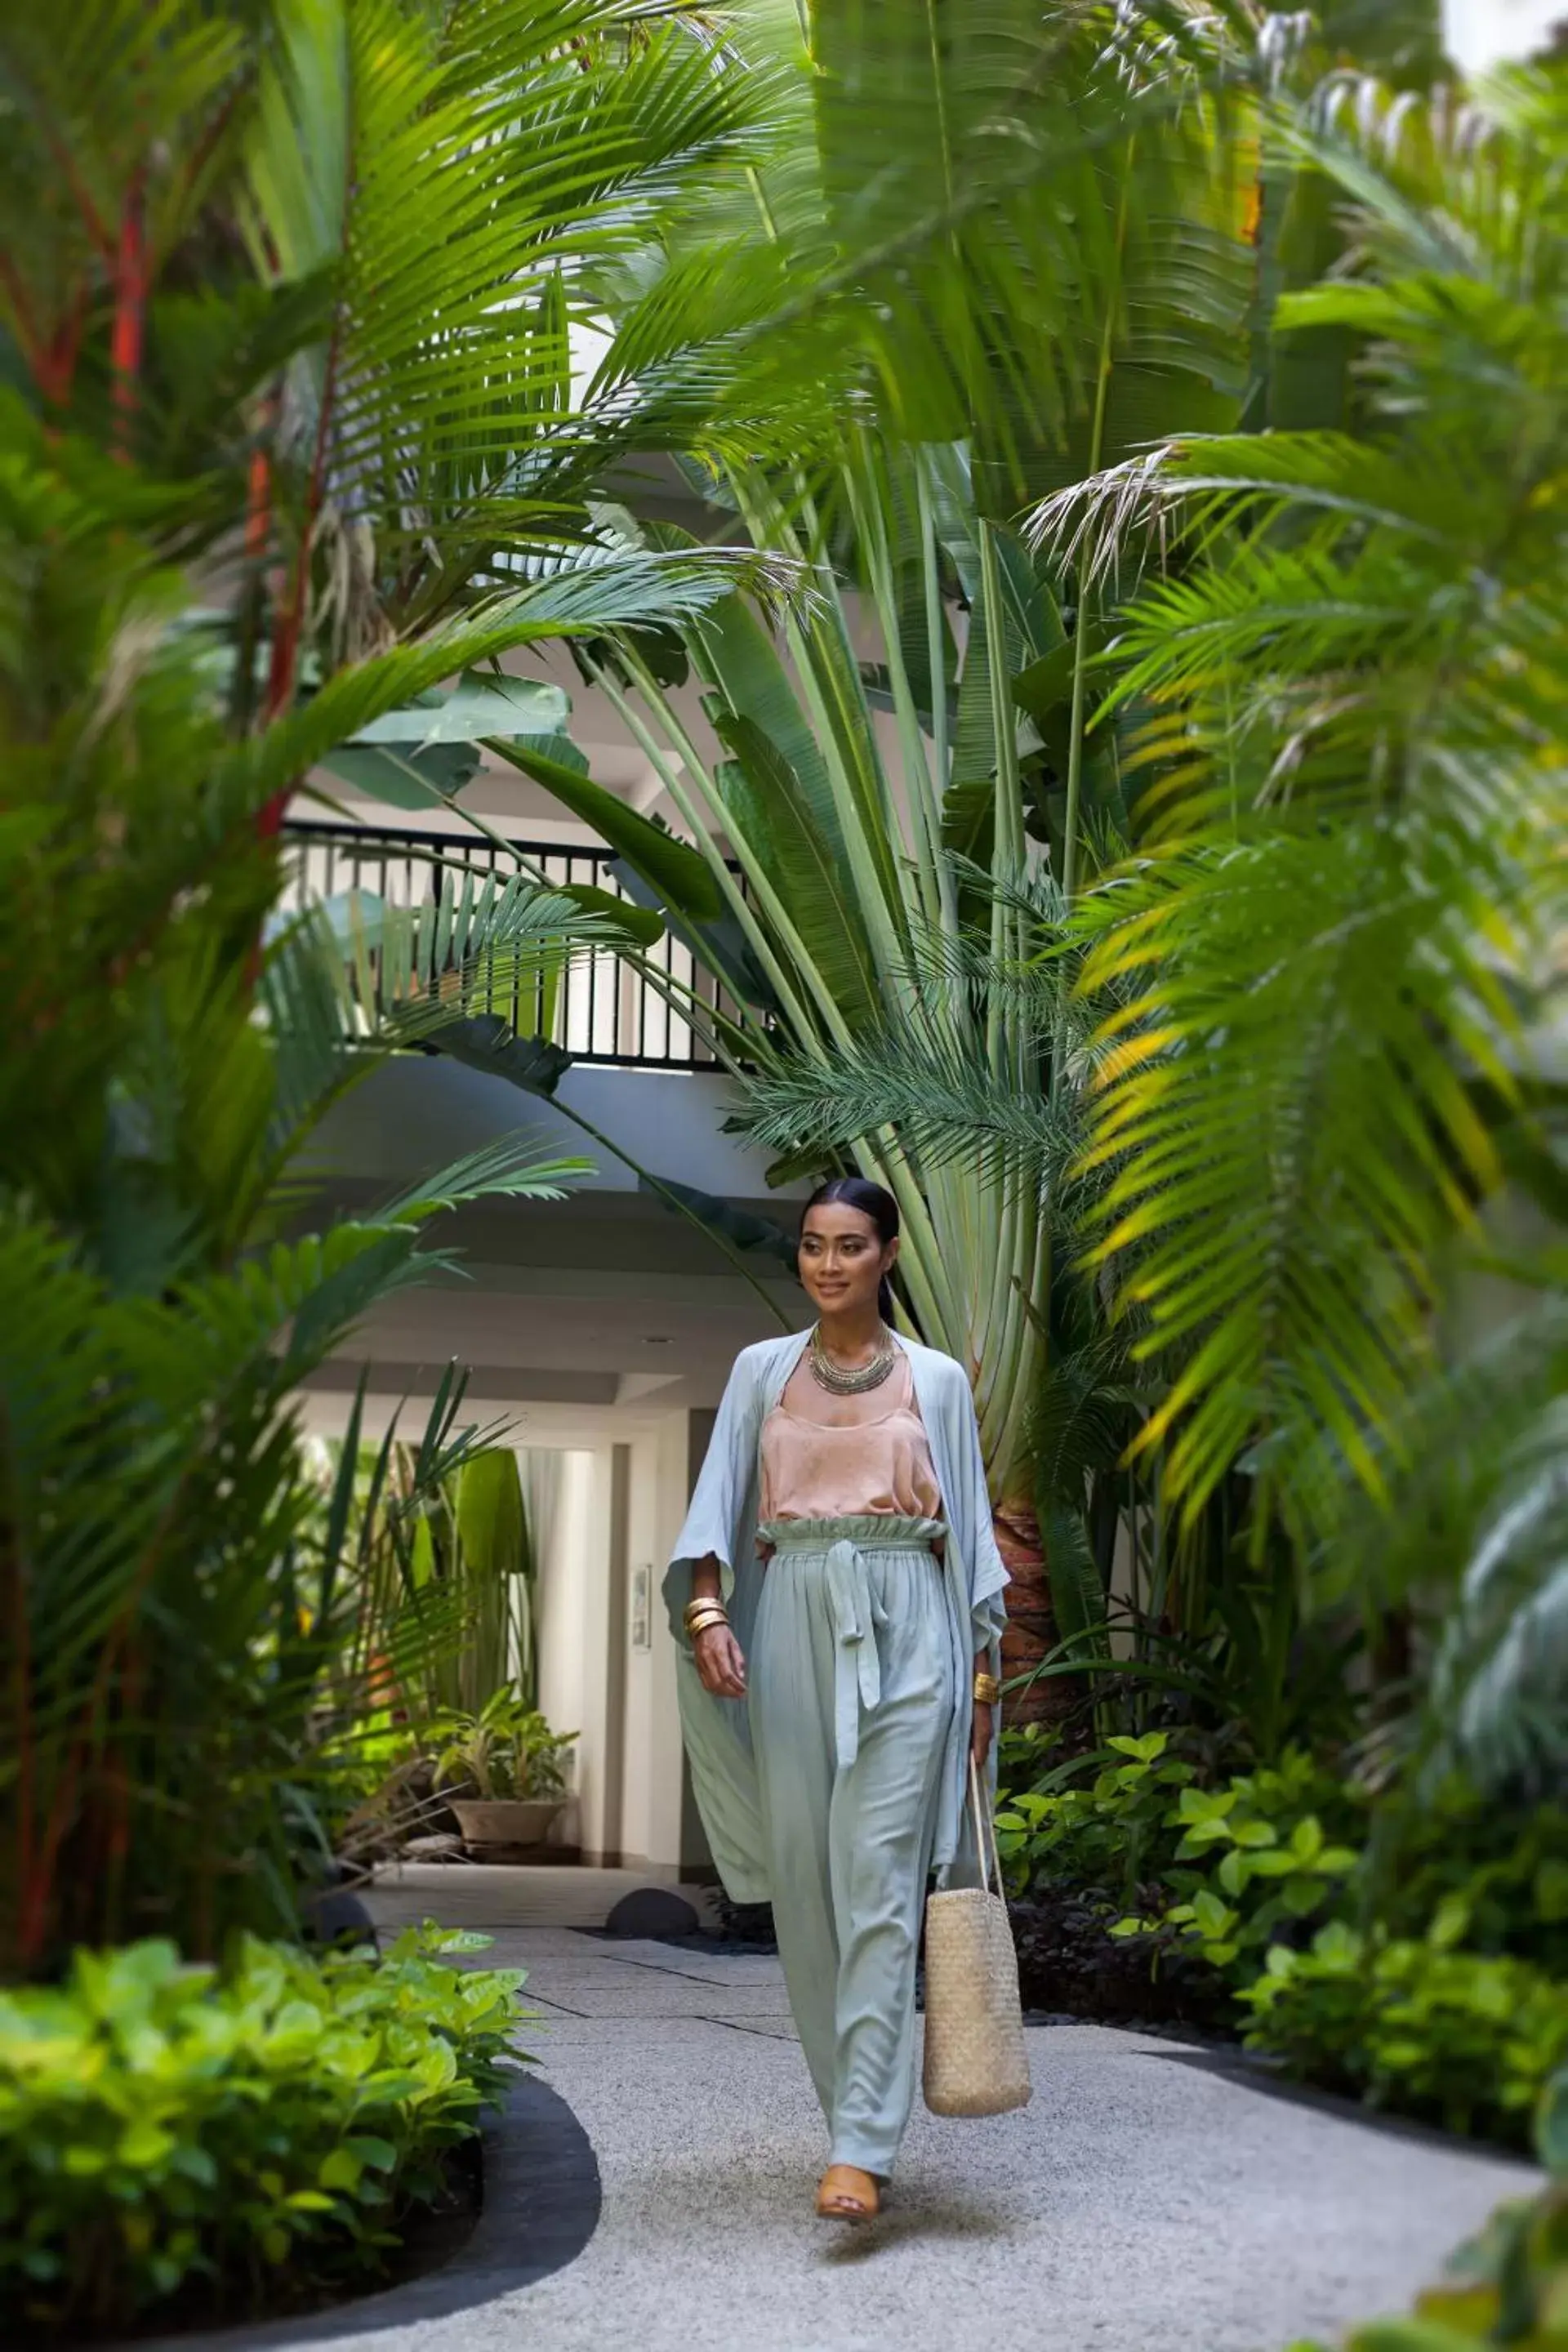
1144 2201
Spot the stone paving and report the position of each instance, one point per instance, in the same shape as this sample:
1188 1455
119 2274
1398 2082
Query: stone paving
1149 2200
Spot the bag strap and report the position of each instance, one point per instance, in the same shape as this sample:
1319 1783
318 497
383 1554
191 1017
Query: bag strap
985 1831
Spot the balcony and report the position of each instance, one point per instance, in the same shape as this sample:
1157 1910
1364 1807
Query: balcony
604 1010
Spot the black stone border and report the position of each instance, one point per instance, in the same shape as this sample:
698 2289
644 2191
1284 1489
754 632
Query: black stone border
541 2202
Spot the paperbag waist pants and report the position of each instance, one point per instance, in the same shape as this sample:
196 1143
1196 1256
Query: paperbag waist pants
851 1681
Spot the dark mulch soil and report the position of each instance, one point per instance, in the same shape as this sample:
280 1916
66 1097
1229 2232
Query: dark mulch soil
1070 1964
745 1927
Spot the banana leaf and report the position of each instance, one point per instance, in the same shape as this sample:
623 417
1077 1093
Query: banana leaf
421 779
739 1226
670 866
766 795
643 925
476 707
720 946
487 1043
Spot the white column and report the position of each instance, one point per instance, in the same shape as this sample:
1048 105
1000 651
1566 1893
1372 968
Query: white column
572 1595
652 1804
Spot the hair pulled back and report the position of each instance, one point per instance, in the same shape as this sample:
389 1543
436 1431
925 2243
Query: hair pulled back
872 1201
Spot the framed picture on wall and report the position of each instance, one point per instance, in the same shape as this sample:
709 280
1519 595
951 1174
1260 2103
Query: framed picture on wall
642 1598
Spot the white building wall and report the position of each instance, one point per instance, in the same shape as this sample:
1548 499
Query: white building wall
1480 33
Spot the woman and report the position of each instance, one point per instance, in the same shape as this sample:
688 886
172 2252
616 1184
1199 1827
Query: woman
836 1594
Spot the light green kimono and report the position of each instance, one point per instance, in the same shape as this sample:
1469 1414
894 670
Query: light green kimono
832 1786
722 1520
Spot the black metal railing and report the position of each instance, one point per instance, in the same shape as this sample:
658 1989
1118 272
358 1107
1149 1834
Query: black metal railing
602 1009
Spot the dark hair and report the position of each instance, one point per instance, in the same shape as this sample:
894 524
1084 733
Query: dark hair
873 1202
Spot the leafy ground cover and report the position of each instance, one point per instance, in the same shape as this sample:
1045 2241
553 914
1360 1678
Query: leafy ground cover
199 2143
1373 1947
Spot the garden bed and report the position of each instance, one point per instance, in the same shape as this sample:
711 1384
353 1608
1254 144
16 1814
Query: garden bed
540 2207
182 2144
431 2236
1420 1973
1070 1964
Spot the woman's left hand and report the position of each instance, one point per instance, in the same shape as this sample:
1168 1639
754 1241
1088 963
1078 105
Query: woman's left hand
980 1737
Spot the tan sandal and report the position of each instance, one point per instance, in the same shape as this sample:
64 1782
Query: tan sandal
844 2193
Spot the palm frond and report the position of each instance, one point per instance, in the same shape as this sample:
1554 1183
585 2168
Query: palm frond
1478 1527
945 1108
944 211
513 1168
347 979
1291 1142
1499 1681
1079 1422
459 226
1332 959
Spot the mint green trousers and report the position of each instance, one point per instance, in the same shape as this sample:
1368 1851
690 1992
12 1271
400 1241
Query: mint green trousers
852 1687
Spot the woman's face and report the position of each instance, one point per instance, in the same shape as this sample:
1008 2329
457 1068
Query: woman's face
843 1258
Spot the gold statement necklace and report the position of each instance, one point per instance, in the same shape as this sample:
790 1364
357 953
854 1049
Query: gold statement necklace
851 1379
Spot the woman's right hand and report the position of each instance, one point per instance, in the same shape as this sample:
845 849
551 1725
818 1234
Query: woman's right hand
721 1663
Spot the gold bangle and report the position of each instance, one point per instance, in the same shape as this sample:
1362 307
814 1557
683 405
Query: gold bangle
703 1622
987 1690
700 1602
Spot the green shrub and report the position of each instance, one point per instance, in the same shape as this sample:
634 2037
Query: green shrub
1447 1852
1222 1869
1460 2018
1467 2038
1108 1835
169 2130
1252 1859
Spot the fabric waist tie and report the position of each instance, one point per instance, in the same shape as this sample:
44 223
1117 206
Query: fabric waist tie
856 1613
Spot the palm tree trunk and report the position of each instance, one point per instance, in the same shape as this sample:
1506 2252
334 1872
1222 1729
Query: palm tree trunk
1031 1632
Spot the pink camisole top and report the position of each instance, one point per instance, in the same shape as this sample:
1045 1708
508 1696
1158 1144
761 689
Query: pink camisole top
814 1469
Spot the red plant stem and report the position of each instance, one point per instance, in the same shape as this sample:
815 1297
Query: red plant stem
257 505
36 1890
258 508
28 333
120 1804
34 1910
92 220
50 357
57 368
129 311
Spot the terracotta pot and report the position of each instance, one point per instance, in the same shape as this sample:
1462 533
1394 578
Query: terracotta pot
1031 1629
505 1820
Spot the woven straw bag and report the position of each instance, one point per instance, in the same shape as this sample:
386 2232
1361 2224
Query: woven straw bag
975 2060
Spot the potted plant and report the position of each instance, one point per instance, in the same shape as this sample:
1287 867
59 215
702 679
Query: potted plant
502 1771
